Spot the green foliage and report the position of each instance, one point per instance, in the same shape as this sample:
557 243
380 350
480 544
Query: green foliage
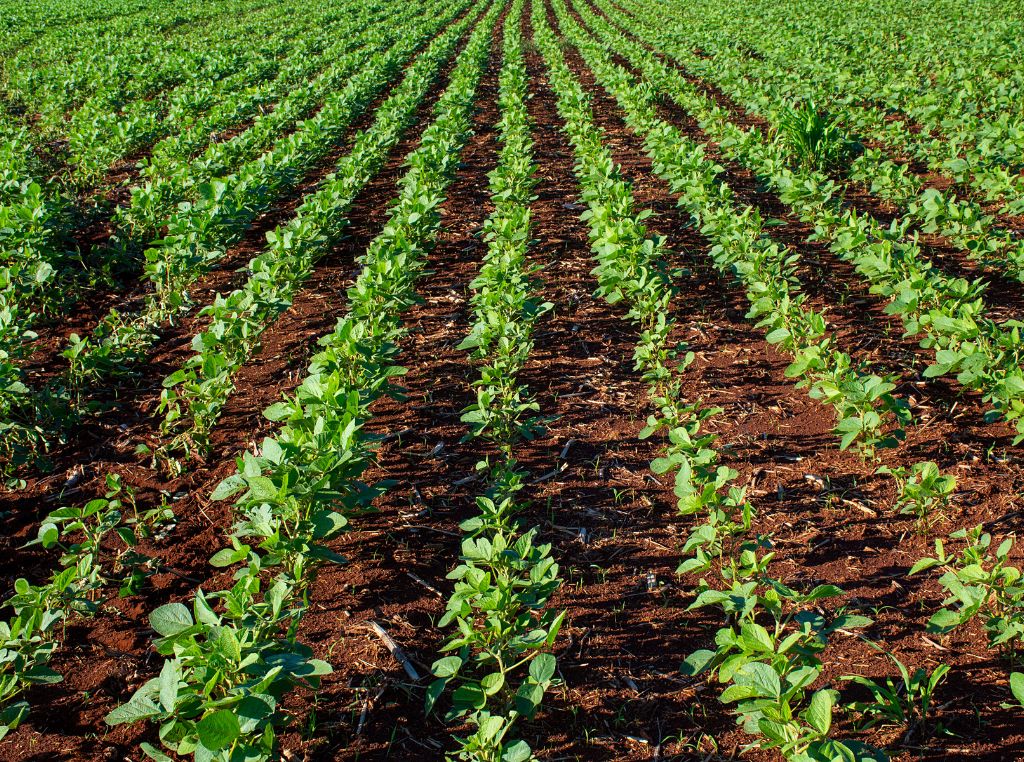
195 394
907 703
218 693
498 669
88 564
769 670
979 582
814 139
922 489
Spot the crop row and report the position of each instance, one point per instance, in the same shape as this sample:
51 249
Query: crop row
964 133
949 314
769 650
198 233
505 577
290 499
962 221
195 394
768 673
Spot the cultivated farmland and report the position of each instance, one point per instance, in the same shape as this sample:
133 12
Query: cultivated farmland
500 380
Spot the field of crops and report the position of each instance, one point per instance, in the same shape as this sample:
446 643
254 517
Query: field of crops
501 380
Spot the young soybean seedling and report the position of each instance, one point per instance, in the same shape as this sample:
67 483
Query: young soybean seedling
979 582
922 489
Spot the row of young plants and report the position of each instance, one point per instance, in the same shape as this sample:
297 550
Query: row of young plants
37 279
125 61
34 240
263 63
922 487
633 270
981 584
329 52
962 221
34 223
956 125
496 666
233 658
869 416
105 129
43 208
196 234
172 175
195 394
197 237
949 314
98 543
782 708
768 670
24 24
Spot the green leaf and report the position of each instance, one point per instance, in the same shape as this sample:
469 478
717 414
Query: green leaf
327 524
251 710
175 378
517 751
169 677
528 698
41 675
278 411
819 712
923 565
434 692
48 535
697 662
228 487
936 370
317 668
774 731
447 667
262 488
218 730
758 636
542 669
170 619
761 677
943 620
11 716
139 708
229 556
823 591
154 753
1017 686
492 683
469 695
851 622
